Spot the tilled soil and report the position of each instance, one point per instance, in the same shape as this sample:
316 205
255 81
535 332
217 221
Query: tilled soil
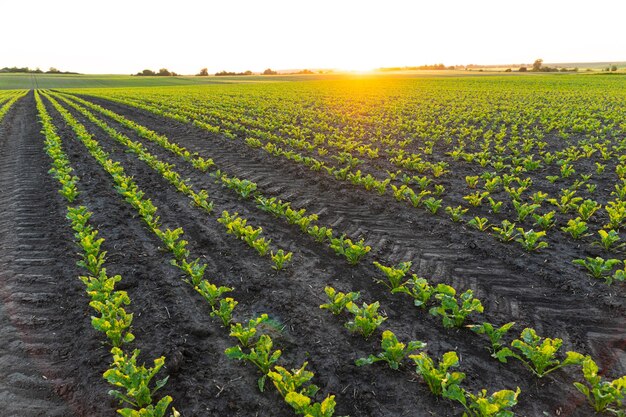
51 360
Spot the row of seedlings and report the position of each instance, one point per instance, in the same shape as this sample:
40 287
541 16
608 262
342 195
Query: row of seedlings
133 382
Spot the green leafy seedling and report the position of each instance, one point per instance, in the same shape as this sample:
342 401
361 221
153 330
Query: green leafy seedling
225 310
539 354
602 395
280 258
394 275
452 313
366 318
298 380
419 289
598 267
438 378
495 335
211 292
114 321
158 410
100 288
393 352
497 404
456 213
245 334
507 232
479 223
304 405
337 300
261 355
577 228
531 240
608 240
194 269
135 380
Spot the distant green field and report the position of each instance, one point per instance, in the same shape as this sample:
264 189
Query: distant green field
46 81
31 81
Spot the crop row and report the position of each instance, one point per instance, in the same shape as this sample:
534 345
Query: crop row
132 381
8 100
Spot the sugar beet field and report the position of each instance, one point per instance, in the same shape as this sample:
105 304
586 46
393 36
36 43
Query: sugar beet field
349 247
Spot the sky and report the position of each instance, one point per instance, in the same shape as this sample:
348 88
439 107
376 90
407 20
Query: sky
123 37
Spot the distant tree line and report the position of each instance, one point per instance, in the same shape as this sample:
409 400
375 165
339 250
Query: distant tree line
304 71
205 72
163 72
420 67
26 70
223 73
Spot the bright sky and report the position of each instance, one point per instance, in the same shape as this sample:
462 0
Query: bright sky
126 36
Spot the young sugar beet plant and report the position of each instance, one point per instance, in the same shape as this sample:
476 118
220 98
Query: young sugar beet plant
531 240
260 354
238 226
440 381
495 334
366 319
115 323
536 353
539 354
393 351
506 233
337 301
352 251
454 312
603 396
395 275
298 391
609 240
135 381
294 386
243 187
601 269
444 383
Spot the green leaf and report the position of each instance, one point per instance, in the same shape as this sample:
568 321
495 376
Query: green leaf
582 388
449 360
234 352
297 400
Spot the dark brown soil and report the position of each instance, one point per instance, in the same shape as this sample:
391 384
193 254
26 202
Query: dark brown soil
45 318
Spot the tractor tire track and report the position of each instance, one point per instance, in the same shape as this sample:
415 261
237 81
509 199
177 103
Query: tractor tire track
37 322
